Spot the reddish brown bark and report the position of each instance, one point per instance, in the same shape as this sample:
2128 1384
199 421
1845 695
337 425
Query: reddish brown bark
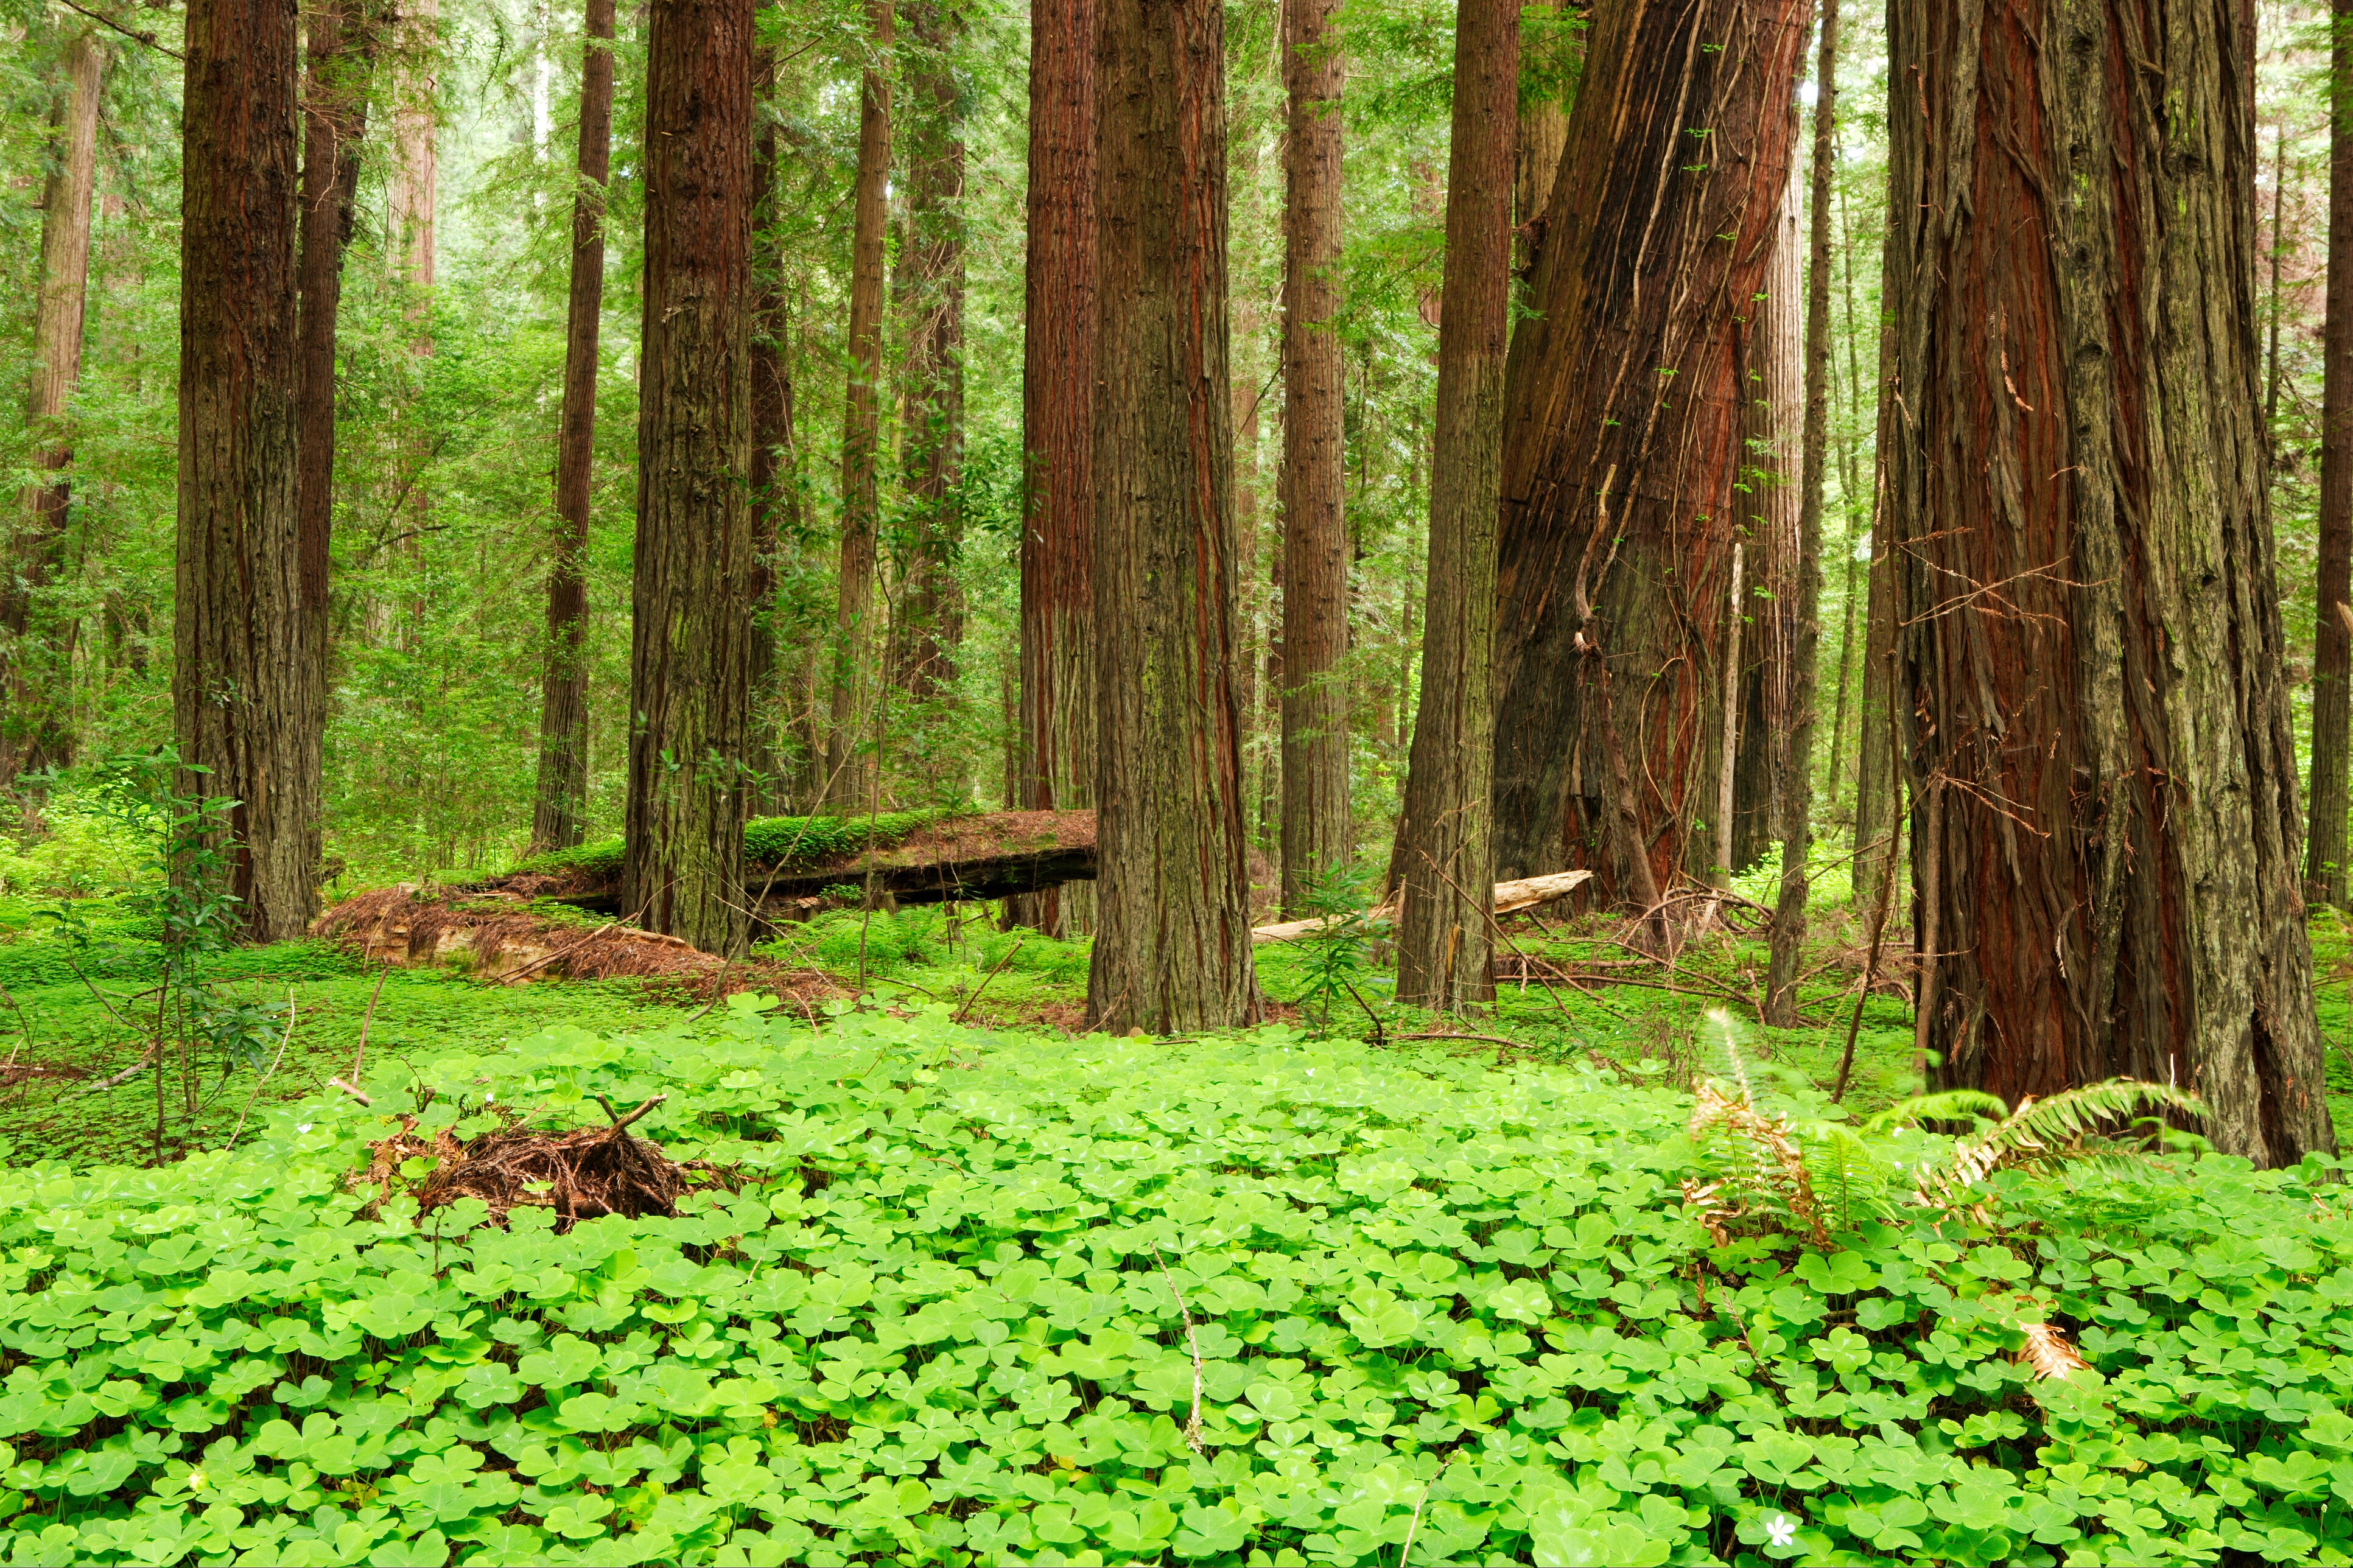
242 703
781 702
2332 642
2088 643
560 808
689 664
1623 441
1172 949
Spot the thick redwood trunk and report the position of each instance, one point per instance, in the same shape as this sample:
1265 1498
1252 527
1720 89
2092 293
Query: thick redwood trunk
1312 493
2332 650
1444 859
1172 949
34 673
560 808
1058 376
689 663
849 781
2088 647
240 697
1623 442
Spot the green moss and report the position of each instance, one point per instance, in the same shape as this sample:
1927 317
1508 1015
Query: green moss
767 841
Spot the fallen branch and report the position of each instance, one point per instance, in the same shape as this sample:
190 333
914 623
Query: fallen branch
620 1121
1509 898
125 1076
360 1095
973 999
1192 1433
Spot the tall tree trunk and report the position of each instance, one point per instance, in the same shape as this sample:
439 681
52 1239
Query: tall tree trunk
560 807
1314 449
1795 758
2089 650
1172 948
2332 642
1548 60
778 673
1444 860
1855 505
1623 436
1058 380
241 641
413 191
851 781
342 45
690 655
37 731
930 623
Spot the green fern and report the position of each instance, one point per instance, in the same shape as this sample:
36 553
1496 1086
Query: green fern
2048 1132
1950 1105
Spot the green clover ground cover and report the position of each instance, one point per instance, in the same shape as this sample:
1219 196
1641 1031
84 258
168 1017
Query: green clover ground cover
940 1322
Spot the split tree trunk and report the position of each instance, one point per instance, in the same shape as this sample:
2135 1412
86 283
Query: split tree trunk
1314 454
1172 948
241 701
1548 61
36 677
560 808
1795 750
1444 860
1623 436
1058 379
2332 651
848 780
2089 652
689 651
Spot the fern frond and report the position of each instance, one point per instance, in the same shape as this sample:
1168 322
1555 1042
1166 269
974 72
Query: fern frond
1726 1032
2048 1352
1761 1166
2041 1130
1951 1105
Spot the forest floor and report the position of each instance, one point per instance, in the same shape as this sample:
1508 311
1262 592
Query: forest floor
79 1003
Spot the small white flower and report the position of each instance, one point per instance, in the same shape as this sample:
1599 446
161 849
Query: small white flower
196 1481
489 1098
303 1127
1782 1529
1311 1072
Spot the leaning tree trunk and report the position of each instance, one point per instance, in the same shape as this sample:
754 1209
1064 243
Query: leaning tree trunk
1623 442
560 808
242 706
2332 642
689 664
1794 760
2089 656
849 781
342 45
35 732
1172 948
1058 378
1314 458
1444 859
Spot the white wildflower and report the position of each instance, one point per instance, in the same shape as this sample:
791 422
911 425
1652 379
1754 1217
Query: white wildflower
1782 1529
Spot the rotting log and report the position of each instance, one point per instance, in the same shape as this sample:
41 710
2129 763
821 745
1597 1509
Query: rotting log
1525 893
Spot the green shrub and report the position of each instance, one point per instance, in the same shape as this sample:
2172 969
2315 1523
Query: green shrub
952 1314
86 845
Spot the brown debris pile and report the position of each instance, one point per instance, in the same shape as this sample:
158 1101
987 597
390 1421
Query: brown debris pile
584 1173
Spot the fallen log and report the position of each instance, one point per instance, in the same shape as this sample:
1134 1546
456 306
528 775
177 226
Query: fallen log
1525 893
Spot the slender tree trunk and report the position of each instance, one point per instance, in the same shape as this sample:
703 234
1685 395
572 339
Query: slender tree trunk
849 779
342 45
37 730
776 703
1795 751
1766 491
2089 650
1314 454
1852 500
413 190
1172 948
2332 650
689 664
241 642
930 616
560 809
1623 441
1058 380
1445 855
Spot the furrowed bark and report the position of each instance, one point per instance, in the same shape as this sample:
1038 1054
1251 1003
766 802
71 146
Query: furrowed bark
690 646
1058 377
1313 478
37 731
1444 859
2089 653
560 807
774 500
241 699
2332 650
1623 441
1172 948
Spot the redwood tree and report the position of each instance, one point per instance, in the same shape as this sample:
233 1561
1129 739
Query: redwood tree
244 709
2332 651
1623 434
1058 375
1312 490
560 808
781 700
2089 655
690 665
1172 949
1444 859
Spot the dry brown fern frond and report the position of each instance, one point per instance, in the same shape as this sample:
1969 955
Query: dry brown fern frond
1774 1167
2048 1352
